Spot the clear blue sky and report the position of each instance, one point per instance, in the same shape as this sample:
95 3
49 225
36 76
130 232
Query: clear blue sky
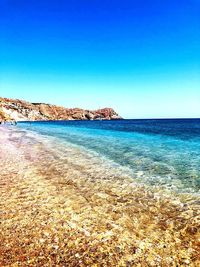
140 57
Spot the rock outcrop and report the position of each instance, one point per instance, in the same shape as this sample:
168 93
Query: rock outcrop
18 110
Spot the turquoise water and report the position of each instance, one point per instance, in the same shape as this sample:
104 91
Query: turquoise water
163 153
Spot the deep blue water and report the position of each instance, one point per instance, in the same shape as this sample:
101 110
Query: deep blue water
158 152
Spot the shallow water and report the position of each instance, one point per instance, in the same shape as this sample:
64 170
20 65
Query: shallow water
158 152
82 196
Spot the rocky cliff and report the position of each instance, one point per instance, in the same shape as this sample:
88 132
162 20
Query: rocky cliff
18 110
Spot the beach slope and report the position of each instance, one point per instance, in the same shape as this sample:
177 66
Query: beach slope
62 206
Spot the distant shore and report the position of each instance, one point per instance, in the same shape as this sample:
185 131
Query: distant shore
20 110
62 206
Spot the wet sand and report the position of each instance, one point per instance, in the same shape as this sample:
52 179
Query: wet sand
63 206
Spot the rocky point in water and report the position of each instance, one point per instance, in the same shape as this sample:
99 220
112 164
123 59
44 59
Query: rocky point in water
19 110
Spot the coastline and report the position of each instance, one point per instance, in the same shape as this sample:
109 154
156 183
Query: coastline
20 110
60 207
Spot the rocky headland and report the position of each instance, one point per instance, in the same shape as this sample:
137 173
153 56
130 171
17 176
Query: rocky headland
19 110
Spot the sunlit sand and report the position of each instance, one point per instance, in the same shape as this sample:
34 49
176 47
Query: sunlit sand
62 206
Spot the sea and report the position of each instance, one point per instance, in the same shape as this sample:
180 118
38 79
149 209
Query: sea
155 152
100 193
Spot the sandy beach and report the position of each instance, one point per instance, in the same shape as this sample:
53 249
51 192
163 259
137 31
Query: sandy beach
61 206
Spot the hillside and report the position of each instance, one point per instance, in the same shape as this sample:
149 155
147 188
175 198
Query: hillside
19 110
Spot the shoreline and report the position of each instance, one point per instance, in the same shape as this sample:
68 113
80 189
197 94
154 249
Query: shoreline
59 207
